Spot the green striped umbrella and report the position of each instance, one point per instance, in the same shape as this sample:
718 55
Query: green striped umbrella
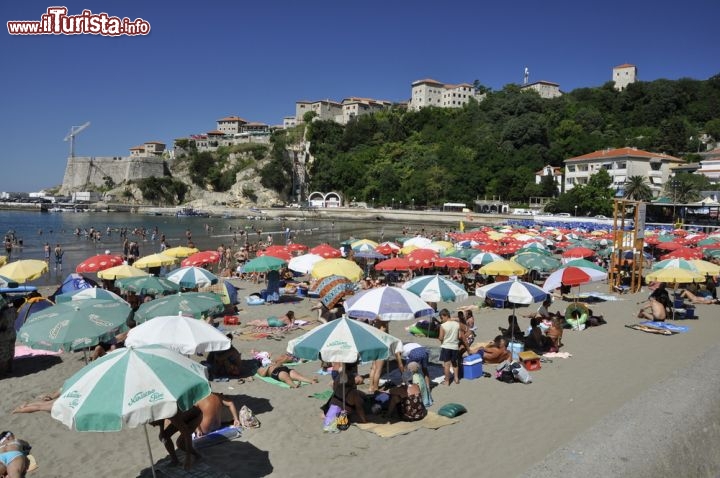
537 261
147 285
264 264
195 304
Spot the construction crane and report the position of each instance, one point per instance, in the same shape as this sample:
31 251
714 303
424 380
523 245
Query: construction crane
74 131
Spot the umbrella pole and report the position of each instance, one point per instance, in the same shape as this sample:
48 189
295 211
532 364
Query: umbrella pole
147 440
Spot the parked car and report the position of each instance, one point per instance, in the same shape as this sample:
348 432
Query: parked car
562 214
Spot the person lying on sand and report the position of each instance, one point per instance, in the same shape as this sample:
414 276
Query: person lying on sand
696 299
284 321
44 403
13 456
280 372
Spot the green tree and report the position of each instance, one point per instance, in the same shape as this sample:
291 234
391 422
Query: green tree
636 188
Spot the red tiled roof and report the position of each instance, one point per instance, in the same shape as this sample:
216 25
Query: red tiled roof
137 148
625 65
215 132
427 80
623 153
233 119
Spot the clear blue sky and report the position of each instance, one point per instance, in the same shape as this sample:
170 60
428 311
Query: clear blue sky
205 60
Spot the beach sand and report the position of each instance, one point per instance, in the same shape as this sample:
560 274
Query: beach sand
507 429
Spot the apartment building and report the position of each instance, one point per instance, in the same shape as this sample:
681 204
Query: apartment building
621 163
150 148
546 89
230 124
623 75
353 107
429 92
325 110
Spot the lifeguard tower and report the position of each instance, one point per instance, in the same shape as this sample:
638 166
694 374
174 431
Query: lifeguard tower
626 262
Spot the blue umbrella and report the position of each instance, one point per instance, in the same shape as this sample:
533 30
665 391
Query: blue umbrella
515 292
388 303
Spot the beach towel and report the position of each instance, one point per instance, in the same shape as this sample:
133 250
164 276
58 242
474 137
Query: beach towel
324 396
278 382
25 351
651 330
218 436
432 421
666 326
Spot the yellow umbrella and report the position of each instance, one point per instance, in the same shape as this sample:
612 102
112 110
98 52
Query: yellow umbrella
671 275
154 260
120 272
180 251
503 268
24 270
363 241
408 249
705 267
3 260
339 267
441 246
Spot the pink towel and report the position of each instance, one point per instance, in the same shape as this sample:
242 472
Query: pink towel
25 351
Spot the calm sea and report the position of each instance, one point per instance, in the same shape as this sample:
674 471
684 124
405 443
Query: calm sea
34 229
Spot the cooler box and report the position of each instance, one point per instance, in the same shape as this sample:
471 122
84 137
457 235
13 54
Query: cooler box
472 366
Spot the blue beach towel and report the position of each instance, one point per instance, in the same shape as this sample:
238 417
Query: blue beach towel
666 326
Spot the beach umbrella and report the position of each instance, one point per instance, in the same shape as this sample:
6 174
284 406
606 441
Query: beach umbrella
228 293
296 247
534 247
120 272
7 283
154 260
705 267
363 245
680 263
503 268
485 258
387 248
514 291
88 293
99 262
331 289
201 258
674 275
130 387
573 276
435 288
440 246
684 253
536 261
340 267
388 303
147 285
709 241
396 264
194 304
264 264
74 325
191 277
578 253
464 254
371 254
281 252
326 251
30 306
344 340
304 263
24 270
451 263
423 257
180 251
185 335
583 263
417 241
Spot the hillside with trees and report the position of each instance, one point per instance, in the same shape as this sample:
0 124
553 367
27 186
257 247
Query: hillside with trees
493 148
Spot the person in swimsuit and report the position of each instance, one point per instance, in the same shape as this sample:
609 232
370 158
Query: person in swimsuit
283 321
282 373
13 455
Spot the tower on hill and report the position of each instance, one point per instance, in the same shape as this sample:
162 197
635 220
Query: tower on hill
623 75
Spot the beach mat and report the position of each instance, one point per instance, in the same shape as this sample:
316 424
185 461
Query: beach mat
432 421
278 382
217 437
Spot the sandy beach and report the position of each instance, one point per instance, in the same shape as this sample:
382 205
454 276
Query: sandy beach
509 427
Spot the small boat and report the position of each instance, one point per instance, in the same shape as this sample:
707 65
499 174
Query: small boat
188 211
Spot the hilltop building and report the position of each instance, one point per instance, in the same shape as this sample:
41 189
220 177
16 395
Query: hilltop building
623 75
621 164
229 131
546 89
430 92
340 112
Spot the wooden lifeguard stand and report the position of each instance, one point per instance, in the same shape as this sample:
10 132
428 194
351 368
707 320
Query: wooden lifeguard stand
628 236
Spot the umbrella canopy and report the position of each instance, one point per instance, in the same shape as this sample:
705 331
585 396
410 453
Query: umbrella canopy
684 253
388 303
387 248
572 276
185 335
281 252
360 244
371 254
154 260
339 267
129 387
705 267
120 272
679 263
191 277
485 258
344 340
674 275
180 251
304 263
396 264
515 292
578 253
201 258
74 325
195 304
583 263
24 270
31 305
228 293
89 293
537 261
331 289
417 241
99 262
326 251
264 264
147 285
452 263
503 268
436 289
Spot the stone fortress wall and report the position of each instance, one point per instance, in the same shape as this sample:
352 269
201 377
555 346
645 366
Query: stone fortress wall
83 172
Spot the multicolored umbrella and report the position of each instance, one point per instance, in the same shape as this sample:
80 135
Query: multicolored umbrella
388 303
147 285
679 263
99 262
201 258
503 268
485 258
584 263
120 272
705 267
191 277
340 267
185 335
436 289
194 304
24 270
572 276
344 340
74 325
674 275
264 264
331 289
515 292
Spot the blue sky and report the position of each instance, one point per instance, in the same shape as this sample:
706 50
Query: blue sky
205 60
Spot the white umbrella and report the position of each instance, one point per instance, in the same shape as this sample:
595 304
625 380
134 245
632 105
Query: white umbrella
418 241
185 335
304 263
388 303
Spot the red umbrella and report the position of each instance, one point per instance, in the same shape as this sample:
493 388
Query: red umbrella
668 246
423 257
281 252
387 248
396 264
579 252
452 263
295 247
200 258
684 253
326 250
99 262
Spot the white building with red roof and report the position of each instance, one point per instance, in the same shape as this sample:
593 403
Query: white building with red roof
623 75
621 164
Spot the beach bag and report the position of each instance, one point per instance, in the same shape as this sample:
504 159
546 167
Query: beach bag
520 373
248 418
342 422
504 373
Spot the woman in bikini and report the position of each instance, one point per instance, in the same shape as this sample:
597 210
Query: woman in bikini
282 373
13 456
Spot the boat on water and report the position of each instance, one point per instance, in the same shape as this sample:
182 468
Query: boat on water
189 211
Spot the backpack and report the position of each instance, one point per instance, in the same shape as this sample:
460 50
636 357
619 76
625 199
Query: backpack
248 418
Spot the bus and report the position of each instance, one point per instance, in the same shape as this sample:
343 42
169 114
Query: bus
455 207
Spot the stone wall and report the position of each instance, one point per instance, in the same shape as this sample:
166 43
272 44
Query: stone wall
84 172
